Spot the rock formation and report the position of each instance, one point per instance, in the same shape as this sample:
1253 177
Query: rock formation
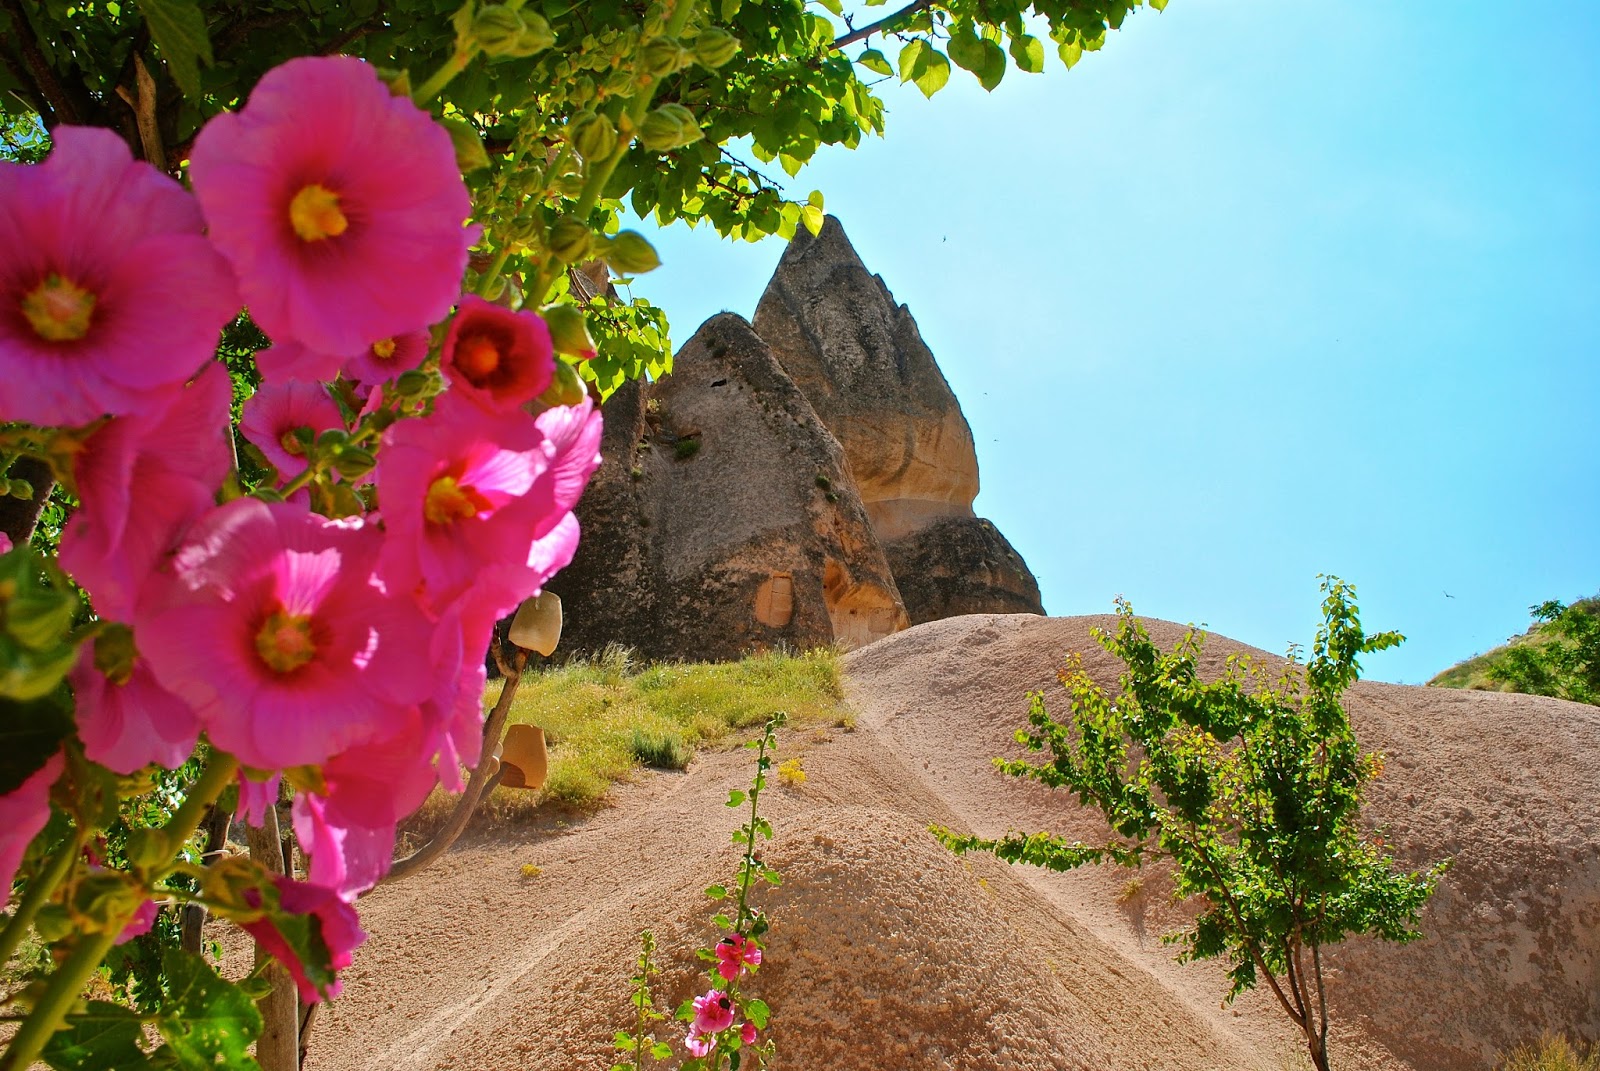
860 361
713 528
807 481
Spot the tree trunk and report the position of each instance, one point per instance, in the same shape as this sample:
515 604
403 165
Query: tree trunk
279 1046
193 917
18 516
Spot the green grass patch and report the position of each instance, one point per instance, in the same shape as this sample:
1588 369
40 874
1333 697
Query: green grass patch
608 717
1474 672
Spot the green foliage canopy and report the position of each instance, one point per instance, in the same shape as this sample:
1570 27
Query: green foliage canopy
1567 665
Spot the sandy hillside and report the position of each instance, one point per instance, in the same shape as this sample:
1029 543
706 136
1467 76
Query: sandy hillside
888 952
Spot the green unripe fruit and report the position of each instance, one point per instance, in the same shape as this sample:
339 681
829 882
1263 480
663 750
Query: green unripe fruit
570 239
332 439
668 127
629 254
353 462
592 135
536 35
715 47
566 387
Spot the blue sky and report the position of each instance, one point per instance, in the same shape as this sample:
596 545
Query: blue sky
1260 291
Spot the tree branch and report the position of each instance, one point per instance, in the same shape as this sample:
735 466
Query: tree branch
882 24
62 107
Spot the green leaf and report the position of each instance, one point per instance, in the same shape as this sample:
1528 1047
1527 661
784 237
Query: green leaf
994 66
935 73
814 199
812 217
735 797
470 153
910 55
757 1012
207 1022
833 6
179 30
1159 5
30 734
105 1037
875 61
966 49
1028 52
717 892
1070 52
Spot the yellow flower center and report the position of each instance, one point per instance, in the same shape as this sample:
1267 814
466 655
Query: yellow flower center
315 214
448 501
59 309
292 445
284 641
384 349
477 357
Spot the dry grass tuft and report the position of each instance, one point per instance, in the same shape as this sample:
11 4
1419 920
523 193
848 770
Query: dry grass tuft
1552 1052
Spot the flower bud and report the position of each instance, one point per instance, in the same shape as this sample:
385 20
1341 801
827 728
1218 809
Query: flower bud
536 35
497 28
592 135
570 239
353 462
662 57
668 127
19 488
148 848
629 254
414 383
569 331
566 387
332 439
715 47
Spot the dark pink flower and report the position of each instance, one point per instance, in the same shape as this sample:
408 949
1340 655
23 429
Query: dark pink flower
143 480
133 722
747 1033
349 829
499 358
110 295
453 715
144 919
736 953
256 796
288 360
335 923
474 498
713 1012
276 631
273 414
5 543
338 203
697 1045
387 358
22 814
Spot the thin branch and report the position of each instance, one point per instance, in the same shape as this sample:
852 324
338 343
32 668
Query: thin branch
63 108
882 24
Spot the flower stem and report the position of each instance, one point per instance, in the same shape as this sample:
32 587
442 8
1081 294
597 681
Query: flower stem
61 992
39 890
453 66
489 277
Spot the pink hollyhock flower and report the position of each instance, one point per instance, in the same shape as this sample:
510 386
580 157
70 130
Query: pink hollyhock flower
284 361
349 829
338 203
23 813
713 1012
5 543
273 414
697 1045
276 631
110 295
735 954
747 1033
144 919
130 723
474 498
256 796
387 358
143 480
453 715
335 922
499 358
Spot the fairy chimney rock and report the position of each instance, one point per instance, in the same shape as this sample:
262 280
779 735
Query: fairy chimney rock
724 519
